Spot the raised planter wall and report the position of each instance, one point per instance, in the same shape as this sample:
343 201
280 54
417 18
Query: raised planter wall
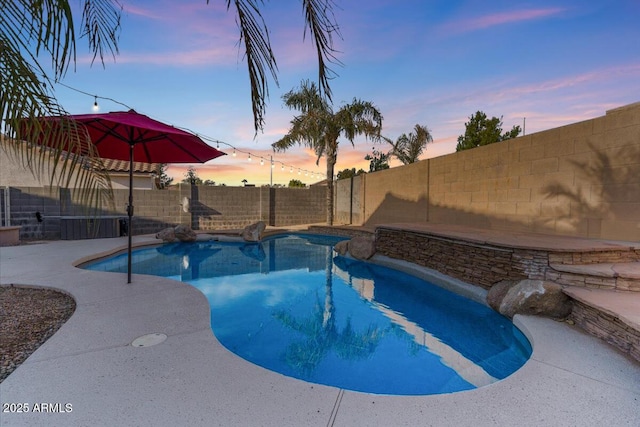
481 265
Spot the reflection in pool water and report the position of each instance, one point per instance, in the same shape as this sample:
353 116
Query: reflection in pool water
292 305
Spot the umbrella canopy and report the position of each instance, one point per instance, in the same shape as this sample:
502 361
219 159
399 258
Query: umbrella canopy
128 135
153 141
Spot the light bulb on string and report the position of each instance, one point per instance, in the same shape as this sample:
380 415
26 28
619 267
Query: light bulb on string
234 152
249 157
95 107
261 162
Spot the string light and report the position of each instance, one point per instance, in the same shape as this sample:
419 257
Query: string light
96 108
95 97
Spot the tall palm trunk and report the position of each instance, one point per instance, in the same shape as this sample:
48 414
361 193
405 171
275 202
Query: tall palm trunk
331 163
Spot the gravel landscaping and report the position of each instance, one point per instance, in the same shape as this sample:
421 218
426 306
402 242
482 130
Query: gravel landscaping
28 317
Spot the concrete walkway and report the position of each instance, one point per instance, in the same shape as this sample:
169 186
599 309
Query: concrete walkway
191 380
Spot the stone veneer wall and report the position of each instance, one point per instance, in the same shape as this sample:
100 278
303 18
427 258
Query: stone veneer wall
607 327
486 264
482 265
595 257
594 281
605 279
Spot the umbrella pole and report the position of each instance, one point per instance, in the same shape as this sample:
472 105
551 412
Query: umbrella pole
130 213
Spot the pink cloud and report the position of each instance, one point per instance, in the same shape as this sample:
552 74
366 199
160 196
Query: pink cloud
140 11
217 56
588 79
176 12
488 21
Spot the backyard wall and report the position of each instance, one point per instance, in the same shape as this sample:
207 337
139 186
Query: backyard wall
201 207
579 180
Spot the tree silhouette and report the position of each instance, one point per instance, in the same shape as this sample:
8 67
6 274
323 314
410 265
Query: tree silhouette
408 148
481 131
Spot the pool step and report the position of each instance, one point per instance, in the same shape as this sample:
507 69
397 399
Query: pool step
616 276
611 315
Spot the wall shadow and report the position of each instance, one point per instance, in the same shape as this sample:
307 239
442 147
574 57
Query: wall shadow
446 216
599 202
604 187
199 211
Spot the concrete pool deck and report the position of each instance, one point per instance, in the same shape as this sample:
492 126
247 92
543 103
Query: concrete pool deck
572 378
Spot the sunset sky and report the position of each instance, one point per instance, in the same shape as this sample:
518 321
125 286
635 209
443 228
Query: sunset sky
433 63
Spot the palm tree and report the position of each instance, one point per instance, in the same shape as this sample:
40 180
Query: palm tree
319 127
408 148
32 32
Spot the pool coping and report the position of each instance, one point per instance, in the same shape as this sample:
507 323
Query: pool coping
190 379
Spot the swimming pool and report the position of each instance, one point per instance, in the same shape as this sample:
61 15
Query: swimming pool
292 305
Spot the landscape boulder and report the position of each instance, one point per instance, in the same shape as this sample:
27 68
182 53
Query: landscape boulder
184 233
179 233
533 297
167 235
253 232
362 247
342 247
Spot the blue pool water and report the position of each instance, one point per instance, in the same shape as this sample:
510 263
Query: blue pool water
292 305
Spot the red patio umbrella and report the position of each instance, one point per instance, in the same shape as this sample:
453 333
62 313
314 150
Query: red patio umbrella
127 135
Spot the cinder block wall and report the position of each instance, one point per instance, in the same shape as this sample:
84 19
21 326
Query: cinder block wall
226 207
201 207
26 202
398 194
349 200
292 206
579 180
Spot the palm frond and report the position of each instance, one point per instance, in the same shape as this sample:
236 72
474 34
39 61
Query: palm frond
284 143
408 148
27 30
47 24
321 24
306 99
360 118
260 57
101 25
